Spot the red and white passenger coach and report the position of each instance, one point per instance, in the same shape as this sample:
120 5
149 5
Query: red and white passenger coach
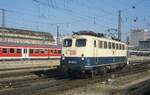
9 51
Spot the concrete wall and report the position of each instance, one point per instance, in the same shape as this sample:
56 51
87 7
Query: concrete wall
136 36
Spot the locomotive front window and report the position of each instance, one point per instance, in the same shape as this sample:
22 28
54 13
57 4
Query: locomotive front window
67 43
80 42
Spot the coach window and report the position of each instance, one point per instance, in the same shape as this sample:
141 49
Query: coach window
59 51
100 44
46 51
113 45
42 51
105 44
31 51
52 51
67 42
55 51
37 51
11 50
18 50
4 50
80 42
109 44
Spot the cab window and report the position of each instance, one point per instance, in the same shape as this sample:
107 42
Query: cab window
67 42
80 42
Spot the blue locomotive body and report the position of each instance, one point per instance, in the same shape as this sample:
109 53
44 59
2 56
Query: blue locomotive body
89 63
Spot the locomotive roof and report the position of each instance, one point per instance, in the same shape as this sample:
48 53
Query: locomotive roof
91 33
30 45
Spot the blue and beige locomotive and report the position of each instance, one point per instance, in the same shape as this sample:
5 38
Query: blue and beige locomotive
86 52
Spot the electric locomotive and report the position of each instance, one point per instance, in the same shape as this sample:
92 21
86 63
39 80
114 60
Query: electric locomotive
86 52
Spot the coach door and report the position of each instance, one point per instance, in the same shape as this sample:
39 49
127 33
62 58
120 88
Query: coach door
95 52
25 53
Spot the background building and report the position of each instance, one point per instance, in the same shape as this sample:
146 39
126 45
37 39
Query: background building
137 35
12 35
144 45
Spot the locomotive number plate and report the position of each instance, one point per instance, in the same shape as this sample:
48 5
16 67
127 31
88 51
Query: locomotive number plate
72 52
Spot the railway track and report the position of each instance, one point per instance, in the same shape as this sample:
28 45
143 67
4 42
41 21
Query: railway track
83 82
21 79
43 86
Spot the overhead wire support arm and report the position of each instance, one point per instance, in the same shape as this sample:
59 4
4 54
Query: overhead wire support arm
119 25
3 17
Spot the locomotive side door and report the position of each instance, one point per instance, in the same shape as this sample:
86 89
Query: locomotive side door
25 53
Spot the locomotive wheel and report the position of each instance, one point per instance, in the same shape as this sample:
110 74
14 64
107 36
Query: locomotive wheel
91 74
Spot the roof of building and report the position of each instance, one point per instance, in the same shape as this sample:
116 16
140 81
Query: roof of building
25 44
27 32
138 30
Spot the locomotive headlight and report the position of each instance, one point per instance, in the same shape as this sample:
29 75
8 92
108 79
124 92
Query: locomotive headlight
63 58
82 58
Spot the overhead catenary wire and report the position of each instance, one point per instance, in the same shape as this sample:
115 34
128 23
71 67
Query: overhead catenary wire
67 11
44 18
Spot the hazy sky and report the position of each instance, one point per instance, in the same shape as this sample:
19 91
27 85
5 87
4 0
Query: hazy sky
74 15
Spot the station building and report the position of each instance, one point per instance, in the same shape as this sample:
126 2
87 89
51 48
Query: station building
137 35
144 45
12 35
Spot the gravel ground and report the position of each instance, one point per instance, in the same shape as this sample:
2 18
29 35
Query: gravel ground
110 86
28 63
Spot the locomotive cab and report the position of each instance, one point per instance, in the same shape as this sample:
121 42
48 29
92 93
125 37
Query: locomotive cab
73 54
